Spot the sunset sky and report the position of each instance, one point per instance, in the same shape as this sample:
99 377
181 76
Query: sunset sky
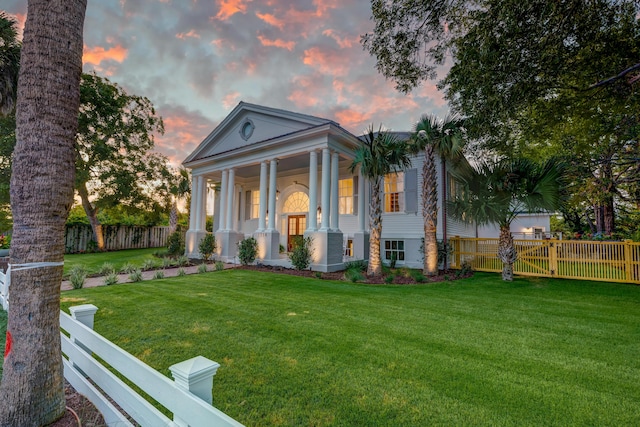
195 60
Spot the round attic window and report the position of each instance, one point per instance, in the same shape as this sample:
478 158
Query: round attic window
246 130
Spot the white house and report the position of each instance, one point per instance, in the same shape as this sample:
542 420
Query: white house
280 174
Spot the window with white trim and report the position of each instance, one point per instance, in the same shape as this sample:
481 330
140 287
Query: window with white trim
394 248
394 192
345 196
255 203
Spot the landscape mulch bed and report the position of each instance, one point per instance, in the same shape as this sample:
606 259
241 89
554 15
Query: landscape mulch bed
398 278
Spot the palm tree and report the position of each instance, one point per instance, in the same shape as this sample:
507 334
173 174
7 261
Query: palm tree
432 135
380 154
180 188
9 62
42 181
496 192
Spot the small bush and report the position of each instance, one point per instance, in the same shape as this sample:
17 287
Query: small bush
318 274
111 279
281 249
77 276
175 244
360 265
149 264
202 268
167 262
182 261
106 269
417 276
181 272
300 255
247 251
219 265
354 275
158 274
128 268
465 269
207 246
160 253
136 276
388 279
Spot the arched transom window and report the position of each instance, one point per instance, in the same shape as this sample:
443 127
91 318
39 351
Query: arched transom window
296 202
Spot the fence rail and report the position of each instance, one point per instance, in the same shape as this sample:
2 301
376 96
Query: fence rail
79 238
569 259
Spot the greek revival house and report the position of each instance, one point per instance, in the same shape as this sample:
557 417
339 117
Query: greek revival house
279 174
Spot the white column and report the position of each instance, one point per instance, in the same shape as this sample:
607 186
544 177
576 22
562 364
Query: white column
361 198
313 192
199 203
335 177
262 222
326 157
203 205
223 199
230 193
193 210
272 194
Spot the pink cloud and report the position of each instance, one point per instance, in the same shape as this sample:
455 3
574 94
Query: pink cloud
342 41
306 92
351 118
228 8
277 43
191 34
230 100
184 130
328 62
97 54
271 20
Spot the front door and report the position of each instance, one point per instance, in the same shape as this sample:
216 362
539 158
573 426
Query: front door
297 225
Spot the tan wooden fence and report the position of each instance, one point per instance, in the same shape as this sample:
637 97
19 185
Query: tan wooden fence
570 259
79 238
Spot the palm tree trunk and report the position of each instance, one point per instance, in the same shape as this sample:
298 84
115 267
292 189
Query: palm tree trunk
31 393
375 218
506 253
173 218
430 212
443 181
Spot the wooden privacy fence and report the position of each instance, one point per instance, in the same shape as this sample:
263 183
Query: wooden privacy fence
569 259
79 238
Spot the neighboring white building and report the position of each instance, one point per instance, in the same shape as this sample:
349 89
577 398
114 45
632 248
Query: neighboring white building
524 226
282 174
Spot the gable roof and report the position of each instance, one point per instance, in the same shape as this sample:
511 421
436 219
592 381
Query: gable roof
272 123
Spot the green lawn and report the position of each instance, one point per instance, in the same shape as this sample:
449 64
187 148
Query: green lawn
479 351
93 261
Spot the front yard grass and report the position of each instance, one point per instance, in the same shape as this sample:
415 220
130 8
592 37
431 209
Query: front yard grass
91 262
478 351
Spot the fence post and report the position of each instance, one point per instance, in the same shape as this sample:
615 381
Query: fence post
84 314
553 255
628 265
195 376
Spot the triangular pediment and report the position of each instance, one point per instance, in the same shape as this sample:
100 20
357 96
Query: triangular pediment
250 124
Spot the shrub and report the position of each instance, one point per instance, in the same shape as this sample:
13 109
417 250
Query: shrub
360 265
77 277
160 253
167 262
149 264
106 269
111 279
394 259
128 268
354 275
388 279
219 265
281 249
182 261
181 272
136 276
465 269
247 251
417 276
300 255
207 246
158 274
175 244
202 268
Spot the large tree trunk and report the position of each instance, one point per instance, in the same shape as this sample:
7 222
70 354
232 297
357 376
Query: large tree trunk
375 224
173 218
506 253
444 182
42 181
430 211
92 215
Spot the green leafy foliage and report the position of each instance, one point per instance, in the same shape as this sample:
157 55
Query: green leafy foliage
300 255
175 243
136 276
77 277
207 246
247 251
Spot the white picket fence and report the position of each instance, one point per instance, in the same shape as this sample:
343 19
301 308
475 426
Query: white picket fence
4 290
188 397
